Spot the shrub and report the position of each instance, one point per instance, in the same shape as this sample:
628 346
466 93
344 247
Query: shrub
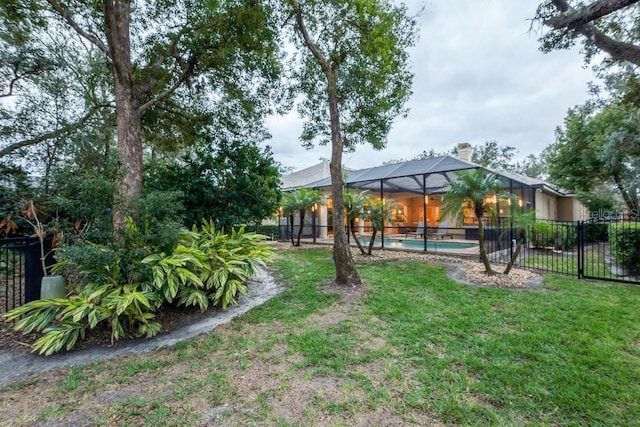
551 234
596 232
124 285
625 245
565 236
542 235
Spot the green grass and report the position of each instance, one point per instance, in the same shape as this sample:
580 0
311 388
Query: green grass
417 345
566 354
595 264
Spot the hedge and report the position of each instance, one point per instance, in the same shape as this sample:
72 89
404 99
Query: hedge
625 245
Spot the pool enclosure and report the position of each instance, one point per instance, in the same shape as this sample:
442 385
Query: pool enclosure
416 190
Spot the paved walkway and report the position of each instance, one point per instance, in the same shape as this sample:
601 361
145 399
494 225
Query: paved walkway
14 366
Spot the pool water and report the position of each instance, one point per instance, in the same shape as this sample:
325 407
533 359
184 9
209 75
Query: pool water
418 244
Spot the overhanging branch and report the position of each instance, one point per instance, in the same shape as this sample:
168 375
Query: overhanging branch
66 15
50 135
580 21
188 72
573 18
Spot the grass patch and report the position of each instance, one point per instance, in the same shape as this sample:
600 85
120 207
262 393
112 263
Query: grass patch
419 348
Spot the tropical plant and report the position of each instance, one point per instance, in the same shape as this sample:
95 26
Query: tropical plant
300 201
209 265
522 221
471 190
30 215
205 265
289 208
128 309
354 205
378 212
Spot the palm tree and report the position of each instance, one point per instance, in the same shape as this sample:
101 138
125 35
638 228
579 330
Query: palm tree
300 200
354 204
524 221
378 213
470 190
289 208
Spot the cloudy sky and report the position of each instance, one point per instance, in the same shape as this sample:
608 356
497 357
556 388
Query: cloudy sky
479 76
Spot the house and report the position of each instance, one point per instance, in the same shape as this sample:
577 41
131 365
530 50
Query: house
417 188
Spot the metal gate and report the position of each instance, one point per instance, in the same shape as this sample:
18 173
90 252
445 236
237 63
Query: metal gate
21 270
604 250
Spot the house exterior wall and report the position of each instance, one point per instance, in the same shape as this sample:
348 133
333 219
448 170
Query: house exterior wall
571 209
305 176
546 206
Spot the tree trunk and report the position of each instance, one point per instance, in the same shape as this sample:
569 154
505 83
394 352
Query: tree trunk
521 239
373 239
291 218
629 200
355 238
346 273
301 227
483 250
129 147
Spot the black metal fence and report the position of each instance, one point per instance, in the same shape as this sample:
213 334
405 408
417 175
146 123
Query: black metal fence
604 250
21 270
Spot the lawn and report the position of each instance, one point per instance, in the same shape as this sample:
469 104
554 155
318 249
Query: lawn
415 348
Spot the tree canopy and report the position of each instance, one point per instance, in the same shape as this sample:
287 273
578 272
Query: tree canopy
609 26
352 68
596 147
160 68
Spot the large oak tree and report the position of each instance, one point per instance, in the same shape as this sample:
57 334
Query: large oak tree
158 54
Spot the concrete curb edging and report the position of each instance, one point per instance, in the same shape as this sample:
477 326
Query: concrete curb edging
262 287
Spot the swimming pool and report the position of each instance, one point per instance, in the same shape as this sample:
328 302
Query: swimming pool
418 244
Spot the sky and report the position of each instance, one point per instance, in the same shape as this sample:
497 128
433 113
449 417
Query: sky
478 76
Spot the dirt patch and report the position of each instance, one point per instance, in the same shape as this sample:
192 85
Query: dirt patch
171 318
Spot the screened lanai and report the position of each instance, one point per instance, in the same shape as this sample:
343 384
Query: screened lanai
416 188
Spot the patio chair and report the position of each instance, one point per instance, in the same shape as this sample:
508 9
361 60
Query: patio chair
438 233
419 231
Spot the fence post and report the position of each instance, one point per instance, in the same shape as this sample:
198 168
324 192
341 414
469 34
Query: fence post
580 233
32 269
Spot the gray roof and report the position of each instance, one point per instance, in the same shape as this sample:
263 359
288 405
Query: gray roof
435 171
404 176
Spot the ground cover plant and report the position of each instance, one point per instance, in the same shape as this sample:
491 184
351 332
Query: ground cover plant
415 347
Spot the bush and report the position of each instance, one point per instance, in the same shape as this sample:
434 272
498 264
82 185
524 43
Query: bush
209 265
124 285
625 245
565 236
270 231
551 234
596 232
542 235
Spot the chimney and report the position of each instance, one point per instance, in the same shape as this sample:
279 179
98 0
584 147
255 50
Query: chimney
464 151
